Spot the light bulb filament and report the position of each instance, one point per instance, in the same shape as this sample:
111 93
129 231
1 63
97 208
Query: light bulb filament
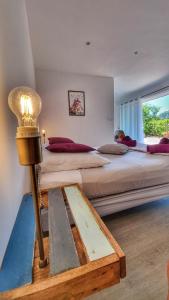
26 110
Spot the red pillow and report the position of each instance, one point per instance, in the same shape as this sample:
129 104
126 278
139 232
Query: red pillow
164 141
59 140
69 147
159 148
129 143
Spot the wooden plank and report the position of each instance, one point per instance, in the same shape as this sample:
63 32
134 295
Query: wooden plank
63 254
44 221
80 247
112 240
116 246
40 274
73 284
44 196
96 243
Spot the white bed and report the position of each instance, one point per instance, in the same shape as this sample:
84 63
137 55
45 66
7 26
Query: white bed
129 180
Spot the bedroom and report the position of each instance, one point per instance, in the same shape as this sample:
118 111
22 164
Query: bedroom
115 52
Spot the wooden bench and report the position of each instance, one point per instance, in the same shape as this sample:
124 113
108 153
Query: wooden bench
83 258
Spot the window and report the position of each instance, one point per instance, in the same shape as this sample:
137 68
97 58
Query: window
156 119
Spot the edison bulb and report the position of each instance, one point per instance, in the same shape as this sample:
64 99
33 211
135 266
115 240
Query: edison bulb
25 103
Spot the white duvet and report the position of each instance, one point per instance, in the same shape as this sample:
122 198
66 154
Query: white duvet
131 171
134 170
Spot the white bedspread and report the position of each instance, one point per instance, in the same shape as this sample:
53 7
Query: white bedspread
128 172
131 171
57 179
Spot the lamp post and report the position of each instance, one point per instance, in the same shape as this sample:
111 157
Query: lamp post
25 103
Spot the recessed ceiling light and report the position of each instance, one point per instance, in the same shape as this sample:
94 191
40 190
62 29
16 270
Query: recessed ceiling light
136 52
88 43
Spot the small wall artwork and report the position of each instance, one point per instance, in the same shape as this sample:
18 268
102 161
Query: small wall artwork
76 103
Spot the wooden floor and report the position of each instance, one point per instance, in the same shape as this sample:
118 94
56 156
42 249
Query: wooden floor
143 233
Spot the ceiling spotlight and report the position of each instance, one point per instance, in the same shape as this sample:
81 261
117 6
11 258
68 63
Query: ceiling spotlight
135 52
88 43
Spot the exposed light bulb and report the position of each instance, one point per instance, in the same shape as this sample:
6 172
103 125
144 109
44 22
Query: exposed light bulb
25 103
26 110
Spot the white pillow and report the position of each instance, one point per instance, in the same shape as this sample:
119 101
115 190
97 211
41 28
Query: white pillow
53 162
113 149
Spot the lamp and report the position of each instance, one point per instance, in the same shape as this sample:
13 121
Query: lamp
44 135
25 103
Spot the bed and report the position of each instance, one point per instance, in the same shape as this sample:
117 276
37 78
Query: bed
128 180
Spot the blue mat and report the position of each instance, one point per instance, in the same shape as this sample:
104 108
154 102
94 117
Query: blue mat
17 264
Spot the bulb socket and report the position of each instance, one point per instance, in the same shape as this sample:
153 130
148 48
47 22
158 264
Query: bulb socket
29 150
27 132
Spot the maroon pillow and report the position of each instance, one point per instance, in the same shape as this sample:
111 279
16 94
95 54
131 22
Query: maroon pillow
158 148
59 140
69 147
129 143
164 141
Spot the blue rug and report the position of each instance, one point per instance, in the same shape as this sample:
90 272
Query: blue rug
17 264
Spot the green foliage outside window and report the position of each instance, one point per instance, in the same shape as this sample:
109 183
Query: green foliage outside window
155 124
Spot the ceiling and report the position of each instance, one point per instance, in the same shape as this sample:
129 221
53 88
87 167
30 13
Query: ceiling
59 31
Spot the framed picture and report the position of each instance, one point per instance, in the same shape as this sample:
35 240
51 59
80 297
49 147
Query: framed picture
76 103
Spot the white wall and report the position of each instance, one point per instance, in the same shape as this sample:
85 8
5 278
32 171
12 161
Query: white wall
97 126
16 68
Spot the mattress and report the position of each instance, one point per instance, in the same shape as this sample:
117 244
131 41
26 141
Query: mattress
132 171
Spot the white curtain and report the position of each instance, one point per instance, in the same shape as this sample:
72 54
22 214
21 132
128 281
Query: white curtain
131 121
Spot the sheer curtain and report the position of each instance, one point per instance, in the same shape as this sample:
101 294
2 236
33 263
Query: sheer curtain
131 119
